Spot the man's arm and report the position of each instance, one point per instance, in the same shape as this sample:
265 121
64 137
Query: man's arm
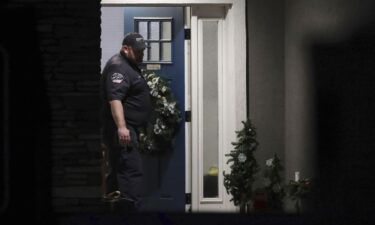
119 118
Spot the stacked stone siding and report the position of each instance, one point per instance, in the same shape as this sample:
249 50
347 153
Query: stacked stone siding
69 42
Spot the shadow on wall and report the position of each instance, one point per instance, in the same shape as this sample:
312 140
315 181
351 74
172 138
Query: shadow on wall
345 94
27 191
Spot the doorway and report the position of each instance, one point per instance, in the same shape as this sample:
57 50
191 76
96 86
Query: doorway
212 91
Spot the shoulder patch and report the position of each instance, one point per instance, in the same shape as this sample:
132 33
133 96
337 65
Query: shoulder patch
117 78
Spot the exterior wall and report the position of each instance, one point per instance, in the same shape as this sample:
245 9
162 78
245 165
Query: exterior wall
328 69
308 23
69 43
112 31
283 86
265 24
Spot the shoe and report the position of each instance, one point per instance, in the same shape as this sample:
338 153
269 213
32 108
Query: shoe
112 196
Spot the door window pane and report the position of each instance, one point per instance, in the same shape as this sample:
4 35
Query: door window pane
154 51
145 56
155 34
210 110
166 30
166 51
142 28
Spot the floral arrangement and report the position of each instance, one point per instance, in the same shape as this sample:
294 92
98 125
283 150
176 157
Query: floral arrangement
159 133
298 190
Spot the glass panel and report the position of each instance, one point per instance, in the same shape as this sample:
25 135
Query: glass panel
145 56
210 109
166 51
155 34
166 30
142 28
154 51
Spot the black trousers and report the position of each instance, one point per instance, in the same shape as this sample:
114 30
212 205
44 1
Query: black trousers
124 165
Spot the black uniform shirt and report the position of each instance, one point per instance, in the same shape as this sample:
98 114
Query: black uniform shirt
122 80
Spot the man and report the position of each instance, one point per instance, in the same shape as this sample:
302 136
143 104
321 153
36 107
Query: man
126 107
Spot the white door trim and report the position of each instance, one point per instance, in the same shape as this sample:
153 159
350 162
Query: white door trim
188 157
199 202
227 107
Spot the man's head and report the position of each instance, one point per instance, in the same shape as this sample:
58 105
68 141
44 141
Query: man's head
133 46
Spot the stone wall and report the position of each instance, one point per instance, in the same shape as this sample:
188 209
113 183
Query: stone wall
69 41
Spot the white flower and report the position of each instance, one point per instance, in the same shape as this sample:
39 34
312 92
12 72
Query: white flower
154 93
242 157
157 129
171 107
150 76
149 83
163 89
269 162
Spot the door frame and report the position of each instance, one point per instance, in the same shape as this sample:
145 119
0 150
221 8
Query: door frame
199 203
236 61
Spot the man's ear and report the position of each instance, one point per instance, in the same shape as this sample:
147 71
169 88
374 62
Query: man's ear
125 48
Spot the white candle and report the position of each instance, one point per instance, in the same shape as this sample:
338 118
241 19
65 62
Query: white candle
296 176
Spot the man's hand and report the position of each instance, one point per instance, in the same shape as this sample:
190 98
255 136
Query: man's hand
118 117
123 135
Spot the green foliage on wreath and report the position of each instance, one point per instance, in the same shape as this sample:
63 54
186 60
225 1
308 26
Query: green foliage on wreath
239 183
158 135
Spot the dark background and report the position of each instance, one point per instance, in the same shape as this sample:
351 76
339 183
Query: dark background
54 53
29 153
345 93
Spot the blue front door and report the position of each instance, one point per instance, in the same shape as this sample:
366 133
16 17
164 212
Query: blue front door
164 175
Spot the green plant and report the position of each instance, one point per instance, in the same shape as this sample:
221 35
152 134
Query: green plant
239 183
273 187
298 190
